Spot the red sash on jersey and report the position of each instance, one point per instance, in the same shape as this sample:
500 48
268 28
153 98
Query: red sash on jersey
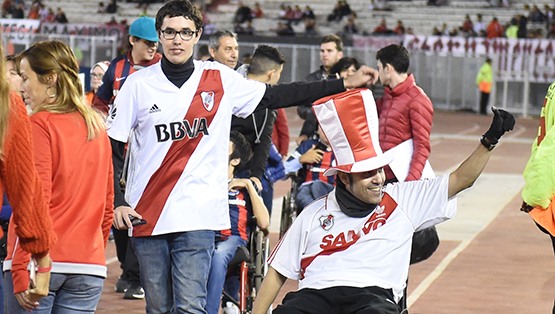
332 244
162 182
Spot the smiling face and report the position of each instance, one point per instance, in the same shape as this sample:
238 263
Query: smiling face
365 186
143 50
178 50
96 78
35 93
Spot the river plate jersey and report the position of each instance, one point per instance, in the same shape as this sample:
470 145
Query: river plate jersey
326 248
178 144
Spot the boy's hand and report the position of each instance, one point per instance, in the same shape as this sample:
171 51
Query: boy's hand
122 213
313 155
363 76
237 184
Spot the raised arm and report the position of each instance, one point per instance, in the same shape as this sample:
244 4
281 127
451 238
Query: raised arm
258 208
467 173
298 93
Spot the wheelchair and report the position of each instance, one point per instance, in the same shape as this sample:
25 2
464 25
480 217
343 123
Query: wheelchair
289 208
250 264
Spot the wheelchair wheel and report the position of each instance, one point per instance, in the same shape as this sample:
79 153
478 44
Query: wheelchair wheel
288 214
261 259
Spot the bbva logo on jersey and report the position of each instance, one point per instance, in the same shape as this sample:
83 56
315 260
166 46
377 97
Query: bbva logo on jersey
207 100
180 129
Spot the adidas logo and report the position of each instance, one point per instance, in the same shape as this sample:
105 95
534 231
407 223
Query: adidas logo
154 109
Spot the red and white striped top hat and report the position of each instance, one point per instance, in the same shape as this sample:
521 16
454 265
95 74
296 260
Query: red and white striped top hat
350 123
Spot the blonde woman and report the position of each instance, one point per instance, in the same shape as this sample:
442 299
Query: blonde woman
20 181
73 158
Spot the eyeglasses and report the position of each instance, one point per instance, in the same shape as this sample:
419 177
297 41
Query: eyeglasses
94 75
185 34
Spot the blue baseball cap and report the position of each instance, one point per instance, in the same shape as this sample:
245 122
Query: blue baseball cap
144 28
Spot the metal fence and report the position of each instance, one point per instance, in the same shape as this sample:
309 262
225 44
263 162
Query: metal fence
88 49
448 80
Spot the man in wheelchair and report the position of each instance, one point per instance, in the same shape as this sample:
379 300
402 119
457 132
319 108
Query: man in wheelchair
244 202
350 250
309 161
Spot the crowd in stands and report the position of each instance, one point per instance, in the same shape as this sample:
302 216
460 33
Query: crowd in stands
111 7
289 16
535 24
16 9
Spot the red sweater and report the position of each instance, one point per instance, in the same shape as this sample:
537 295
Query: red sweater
406 112
77 177
22 184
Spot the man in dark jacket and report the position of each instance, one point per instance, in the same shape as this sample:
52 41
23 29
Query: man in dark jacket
266 66
331 50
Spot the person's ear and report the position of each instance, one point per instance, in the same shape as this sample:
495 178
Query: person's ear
344 178
51 79
198 35
389 68
235 162
212 52
132 40
270 75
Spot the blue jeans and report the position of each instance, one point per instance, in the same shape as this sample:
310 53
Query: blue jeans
223 254
2 294
174 270
69 294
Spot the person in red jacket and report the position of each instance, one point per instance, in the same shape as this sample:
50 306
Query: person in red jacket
405 111
405 114
73 158
494 29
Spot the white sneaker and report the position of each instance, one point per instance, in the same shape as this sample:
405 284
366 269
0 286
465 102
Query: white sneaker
230 308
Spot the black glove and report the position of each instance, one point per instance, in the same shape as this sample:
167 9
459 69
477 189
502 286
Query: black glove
503 121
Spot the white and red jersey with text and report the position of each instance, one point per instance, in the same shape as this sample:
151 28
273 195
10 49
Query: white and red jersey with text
178 144
326 248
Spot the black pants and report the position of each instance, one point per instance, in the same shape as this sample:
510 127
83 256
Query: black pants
126 257
484 98
339 300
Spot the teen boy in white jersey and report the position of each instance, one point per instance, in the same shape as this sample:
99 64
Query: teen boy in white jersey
350 249
177 116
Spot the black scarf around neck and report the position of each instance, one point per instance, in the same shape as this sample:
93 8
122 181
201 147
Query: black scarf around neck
177 73
349 204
